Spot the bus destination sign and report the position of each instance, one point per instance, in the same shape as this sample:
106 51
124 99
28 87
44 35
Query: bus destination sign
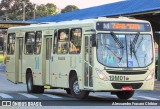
125 26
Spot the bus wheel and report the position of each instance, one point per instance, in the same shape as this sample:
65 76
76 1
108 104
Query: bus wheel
32 88
124 94
75 91
68 91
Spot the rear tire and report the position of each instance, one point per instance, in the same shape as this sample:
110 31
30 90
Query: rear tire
68 91
74 88
33 88
124 94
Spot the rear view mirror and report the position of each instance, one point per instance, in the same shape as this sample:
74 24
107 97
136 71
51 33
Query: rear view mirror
93 40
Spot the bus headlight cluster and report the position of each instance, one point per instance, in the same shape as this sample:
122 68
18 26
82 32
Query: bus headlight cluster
150 76
101 75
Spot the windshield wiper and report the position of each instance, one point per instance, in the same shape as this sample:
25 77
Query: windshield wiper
117 40
132 46
119 58
138 45
135 38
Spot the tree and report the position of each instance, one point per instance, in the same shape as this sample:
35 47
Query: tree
13 9
51 8
69 8
46 10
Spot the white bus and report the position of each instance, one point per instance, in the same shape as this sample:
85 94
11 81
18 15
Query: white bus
94 55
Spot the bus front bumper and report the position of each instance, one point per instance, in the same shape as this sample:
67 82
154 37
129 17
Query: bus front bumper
101 85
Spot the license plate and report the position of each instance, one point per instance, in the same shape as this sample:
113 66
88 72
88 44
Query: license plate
117 78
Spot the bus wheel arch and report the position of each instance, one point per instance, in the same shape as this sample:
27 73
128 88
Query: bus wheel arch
71 74
31 88
74 87
28 71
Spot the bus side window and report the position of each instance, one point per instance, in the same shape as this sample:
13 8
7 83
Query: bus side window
75 40
55 42
63 41
38 42
29 42
11 43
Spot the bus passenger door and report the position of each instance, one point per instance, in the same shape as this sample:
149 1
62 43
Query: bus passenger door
20 46
48 59
88 81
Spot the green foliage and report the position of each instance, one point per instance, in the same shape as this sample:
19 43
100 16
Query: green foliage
69 8
46 10
13 9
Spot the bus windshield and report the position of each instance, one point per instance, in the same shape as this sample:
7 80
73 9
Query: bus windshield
124 50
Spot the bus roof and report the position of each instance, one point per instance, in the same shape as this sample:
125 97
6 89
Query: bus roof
73 22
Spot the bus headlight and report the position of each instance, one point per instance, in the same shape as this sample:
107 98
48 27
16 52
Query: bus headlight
150 76
101 75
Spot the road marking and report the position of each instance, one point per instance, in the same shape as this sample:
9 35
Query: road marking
133 99
28 95
149 98
52 96
3 95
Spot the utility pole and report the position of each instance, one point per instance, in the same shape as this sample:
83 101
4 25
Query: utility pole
24 11
34 12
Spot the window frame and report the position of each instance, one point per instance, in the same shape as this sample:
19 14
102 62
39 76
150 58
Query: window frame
13 43
70 41
58 40
25 51
55 41
35 43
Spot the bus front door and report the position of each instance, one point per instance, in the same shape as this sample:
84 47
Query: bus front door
88 81
20 40
48 59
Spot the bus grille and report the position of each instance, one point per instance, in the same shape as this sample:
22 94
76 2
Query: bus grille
120 85
127 72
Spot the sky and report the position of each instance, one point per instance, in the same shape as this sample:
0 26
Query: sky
79 3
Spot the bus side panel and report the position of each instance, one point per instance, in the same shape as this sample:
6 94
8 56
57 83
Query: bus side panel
37 75
33 63
60 67
10 68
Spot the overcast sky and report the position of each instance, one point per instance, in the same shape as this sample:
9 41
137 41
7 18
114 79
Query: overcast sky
79 3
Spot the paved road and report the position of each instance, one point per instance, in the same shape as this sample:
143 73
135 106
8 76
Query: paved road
10 91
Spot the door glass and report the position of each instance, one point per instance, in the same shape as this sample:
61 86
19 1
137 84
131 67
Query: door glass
20 48
48 48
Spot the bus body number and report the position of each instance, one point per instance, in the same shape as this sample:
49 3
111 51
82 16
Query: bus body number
117 78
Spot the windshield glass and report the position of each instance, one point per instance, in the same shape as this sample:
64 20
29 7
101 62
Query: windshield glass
124 50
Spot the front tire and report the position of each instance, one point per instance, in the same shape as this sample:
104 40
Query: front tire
124 94
31 88
75 91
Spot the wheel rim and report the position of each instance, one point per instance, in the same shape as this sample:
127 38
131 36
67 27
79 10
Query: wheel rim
76 87
29 84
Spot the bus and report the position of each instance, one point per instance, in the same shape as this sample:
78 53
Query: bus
113 55
4 25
